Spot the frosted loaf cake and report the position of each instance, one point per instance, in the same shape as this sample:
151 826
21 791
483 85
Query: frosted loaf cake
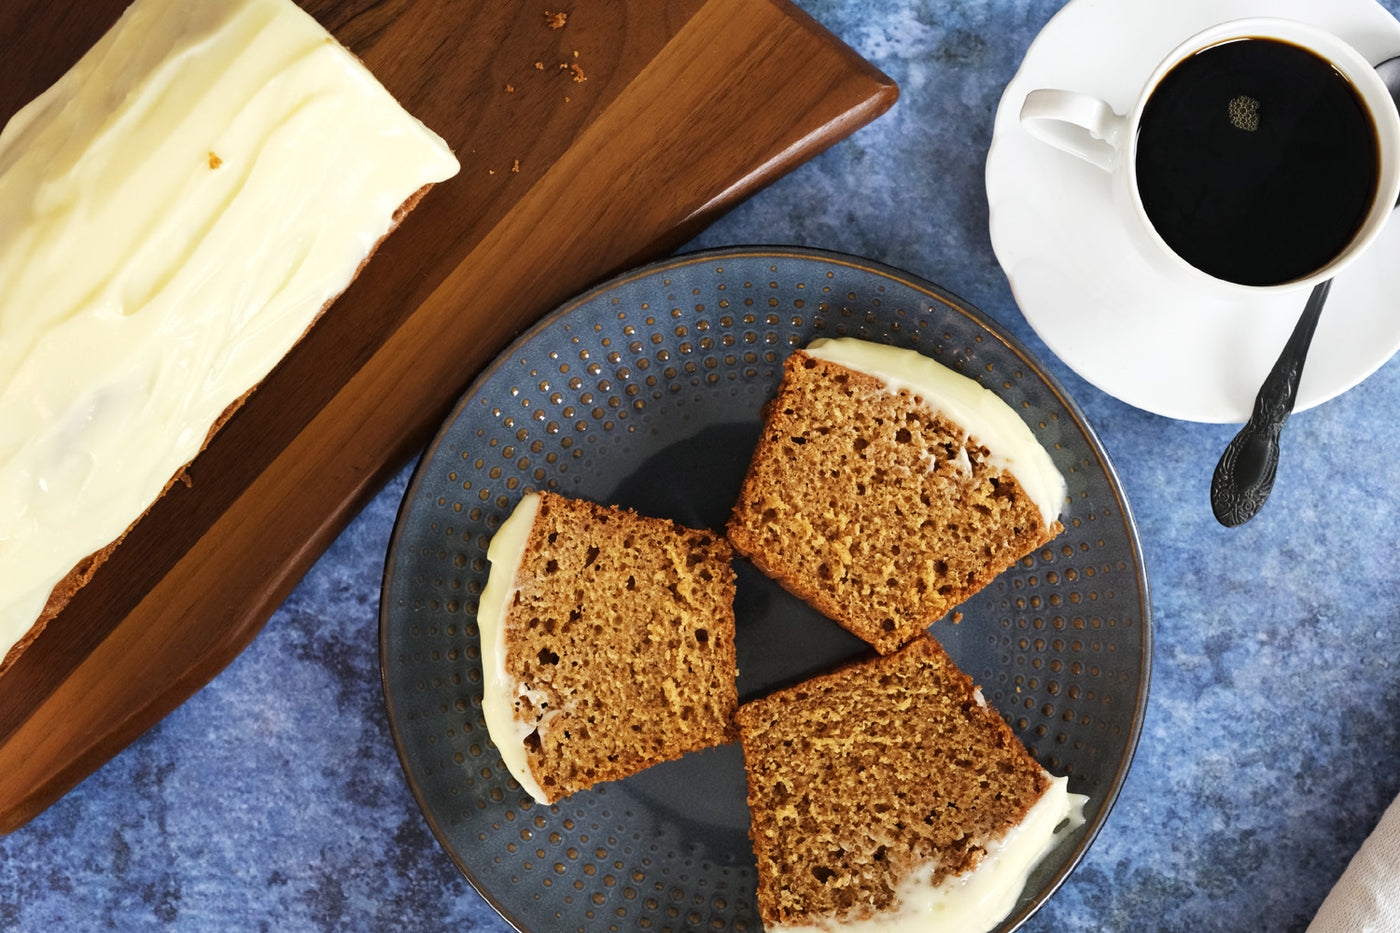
887 796
886 488
607 643
175 212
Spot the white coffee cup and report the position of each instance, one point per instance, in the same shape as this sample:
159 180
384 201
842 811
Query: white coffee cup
1089 128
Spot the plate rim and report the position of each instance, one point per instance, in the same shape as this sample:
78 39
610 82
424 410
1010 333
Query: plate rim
802 255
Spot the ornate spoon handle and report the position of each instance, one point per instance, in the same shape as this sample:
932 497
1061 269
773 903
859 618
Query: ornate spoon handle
1245 474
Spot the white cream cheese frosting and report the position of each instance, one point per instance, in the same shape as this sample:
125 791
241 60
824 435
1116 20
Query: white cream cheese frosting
174 213
975 901
498 690
980 412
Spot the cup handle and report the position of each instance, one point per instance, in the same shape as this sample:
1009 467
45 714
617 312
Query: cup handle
1079 124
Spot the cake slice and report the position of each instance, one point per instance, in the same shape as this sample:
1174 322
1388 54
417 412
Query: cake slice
887 792
886 489
175 212
607 643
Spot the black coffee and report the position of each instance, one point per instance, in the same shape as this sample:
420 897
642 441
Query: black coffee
1256 161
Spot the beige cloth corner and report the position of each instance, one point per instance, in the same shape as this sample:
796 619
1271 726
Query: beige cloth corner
1366 899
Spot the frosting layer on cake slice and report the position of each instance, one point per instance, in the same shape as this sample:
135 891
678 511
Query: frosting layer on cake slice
175 212
500 691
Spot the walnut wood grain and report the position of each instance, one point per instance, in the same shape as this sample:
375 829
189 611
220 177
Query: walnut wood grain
686 107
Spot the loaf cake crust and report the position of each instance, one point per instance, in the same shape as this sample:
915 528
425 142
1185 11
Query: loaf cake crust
614 646
878 771
875 508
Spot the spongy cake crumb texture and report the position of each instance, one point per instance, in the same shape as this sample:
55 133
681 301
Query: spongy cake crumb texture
873 507
620 636
860 777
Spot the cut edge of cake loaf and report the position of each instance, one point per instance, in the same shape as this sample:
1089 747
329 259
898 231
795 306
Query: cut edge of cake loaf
888 787
886 489
607 643
132 56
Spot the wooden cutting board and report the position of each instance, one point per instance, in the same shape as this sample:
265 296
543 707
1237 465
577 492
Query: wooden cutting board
685 107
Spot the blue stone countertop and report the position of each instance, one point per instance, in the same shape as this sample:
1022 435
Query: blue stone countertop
274 800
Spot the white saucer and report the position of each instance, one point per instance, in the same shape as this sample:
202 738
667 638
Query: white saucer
1157 344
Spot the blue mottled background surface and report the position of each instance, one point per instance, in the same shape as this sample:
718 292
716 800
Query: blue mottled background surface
273 800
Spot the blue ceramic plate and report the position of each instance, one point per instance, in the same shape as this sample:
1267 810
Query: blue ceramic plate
647 393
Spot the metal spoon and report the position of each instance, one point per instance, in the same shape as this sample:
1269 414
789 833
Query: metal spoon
1245 474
